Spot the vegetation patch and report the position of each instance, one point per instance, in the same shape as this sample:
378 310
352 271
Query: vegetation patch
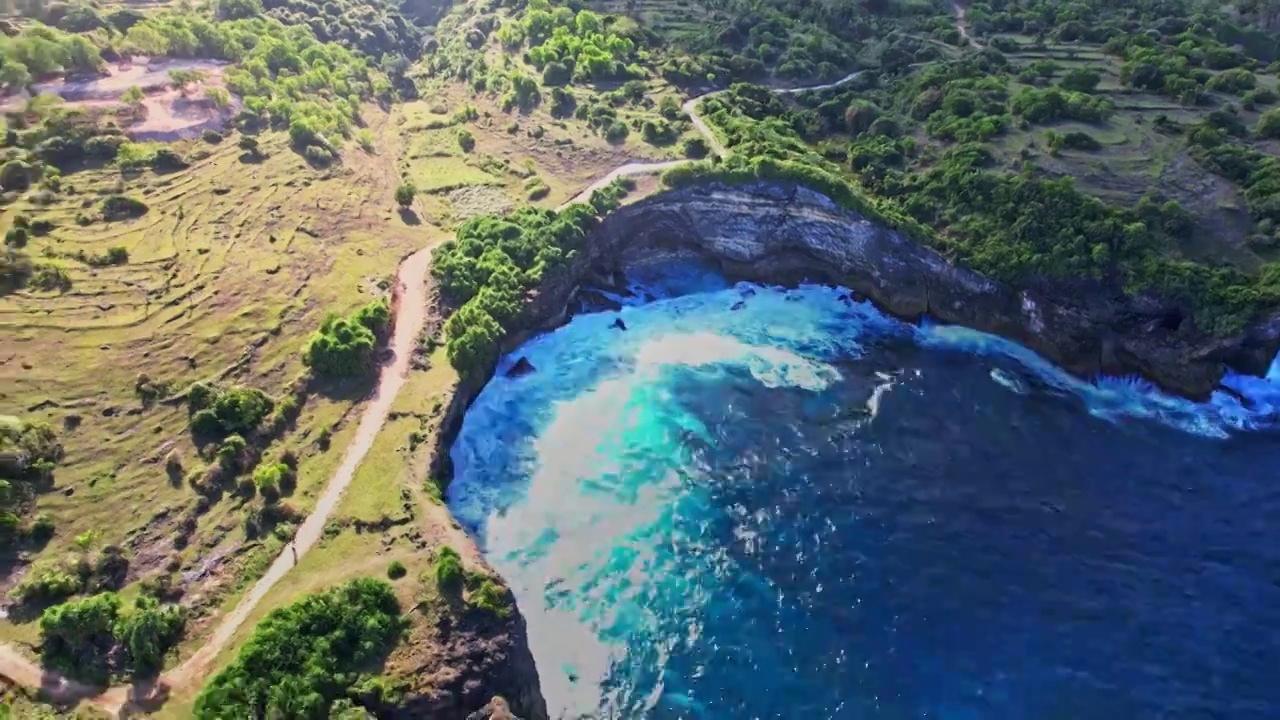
344 346
95 640
303 658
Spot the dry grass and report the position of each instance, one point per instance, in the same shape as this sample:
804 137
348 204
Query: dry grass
233 266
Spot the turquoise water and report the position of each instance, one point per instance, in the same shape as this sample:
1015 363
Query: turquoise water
757 502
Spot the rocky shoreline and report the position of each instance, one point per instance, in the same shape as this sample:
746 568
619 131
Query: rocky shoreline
782 234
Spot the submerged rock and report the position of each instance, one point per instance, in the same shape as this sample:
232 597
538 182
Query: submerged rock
521 368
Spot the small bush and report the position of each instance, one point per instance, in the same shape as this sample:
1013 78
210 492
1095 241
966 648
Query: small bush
50 278
48 585
492 597
396 570
318 155
466 140
270 478
345 346
16 175
213 137
237 409
43 528
16 237
696 148
617 132
448 569
535 188
122 207
405 194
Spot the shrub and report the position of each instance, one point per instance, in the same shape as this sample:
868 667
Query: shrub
148 632
16 237
319 155
404 194
87 637
536 188
76 637
658 132
218 96
492 597
213 137
305 656
1269 125
15 269
248 143
396 570
122 207
1081 80
50 278
1074 140
448 570
696 148
48 585
269 478
236 409
344 346
466 140
133 96
616 132
43 528
16 175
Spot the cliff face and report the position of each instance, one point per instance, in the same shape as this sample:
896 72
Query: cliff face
783 234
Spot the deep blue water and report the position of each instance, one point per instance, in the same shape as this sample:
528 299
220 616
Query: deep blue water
801 508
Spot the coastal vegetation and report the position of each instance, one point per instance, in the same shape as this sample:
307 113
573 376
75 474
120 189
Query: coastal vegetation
305 657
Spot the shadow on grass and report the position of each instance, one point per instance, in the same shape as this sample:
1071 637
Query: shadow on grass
409 217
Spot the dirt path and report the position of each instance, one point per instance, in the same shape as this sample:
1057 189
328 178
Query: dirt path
690 107
963 27
410 316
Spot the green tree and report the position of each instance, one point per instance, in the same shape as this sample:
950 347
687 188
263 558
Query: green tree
405 194
304 657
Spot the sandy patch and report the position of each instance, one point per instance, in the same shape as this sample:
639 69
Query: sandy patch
166 113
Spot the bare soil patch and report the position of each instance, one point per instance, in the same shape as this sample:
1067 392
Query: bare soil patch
166 113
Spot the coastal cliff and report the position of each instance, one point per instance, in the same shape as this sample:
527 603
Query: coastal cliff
783 234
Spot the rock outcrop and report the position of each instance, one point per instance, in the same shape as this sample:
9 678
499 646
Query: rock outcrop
473 664
782 234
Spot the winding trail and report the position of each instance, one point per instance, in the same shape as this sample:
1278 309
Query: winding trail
690 108
963 27
410 316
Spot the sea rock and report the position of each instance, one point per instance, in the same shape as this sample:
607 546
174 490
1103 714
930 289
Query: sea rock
521 368
496 709
619 324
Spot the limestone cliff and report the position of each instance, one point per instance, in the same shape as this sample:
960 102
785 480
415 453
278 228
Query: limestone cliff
783 234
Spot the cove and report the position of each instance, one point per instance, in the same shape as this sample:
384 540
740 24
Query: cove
781 503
